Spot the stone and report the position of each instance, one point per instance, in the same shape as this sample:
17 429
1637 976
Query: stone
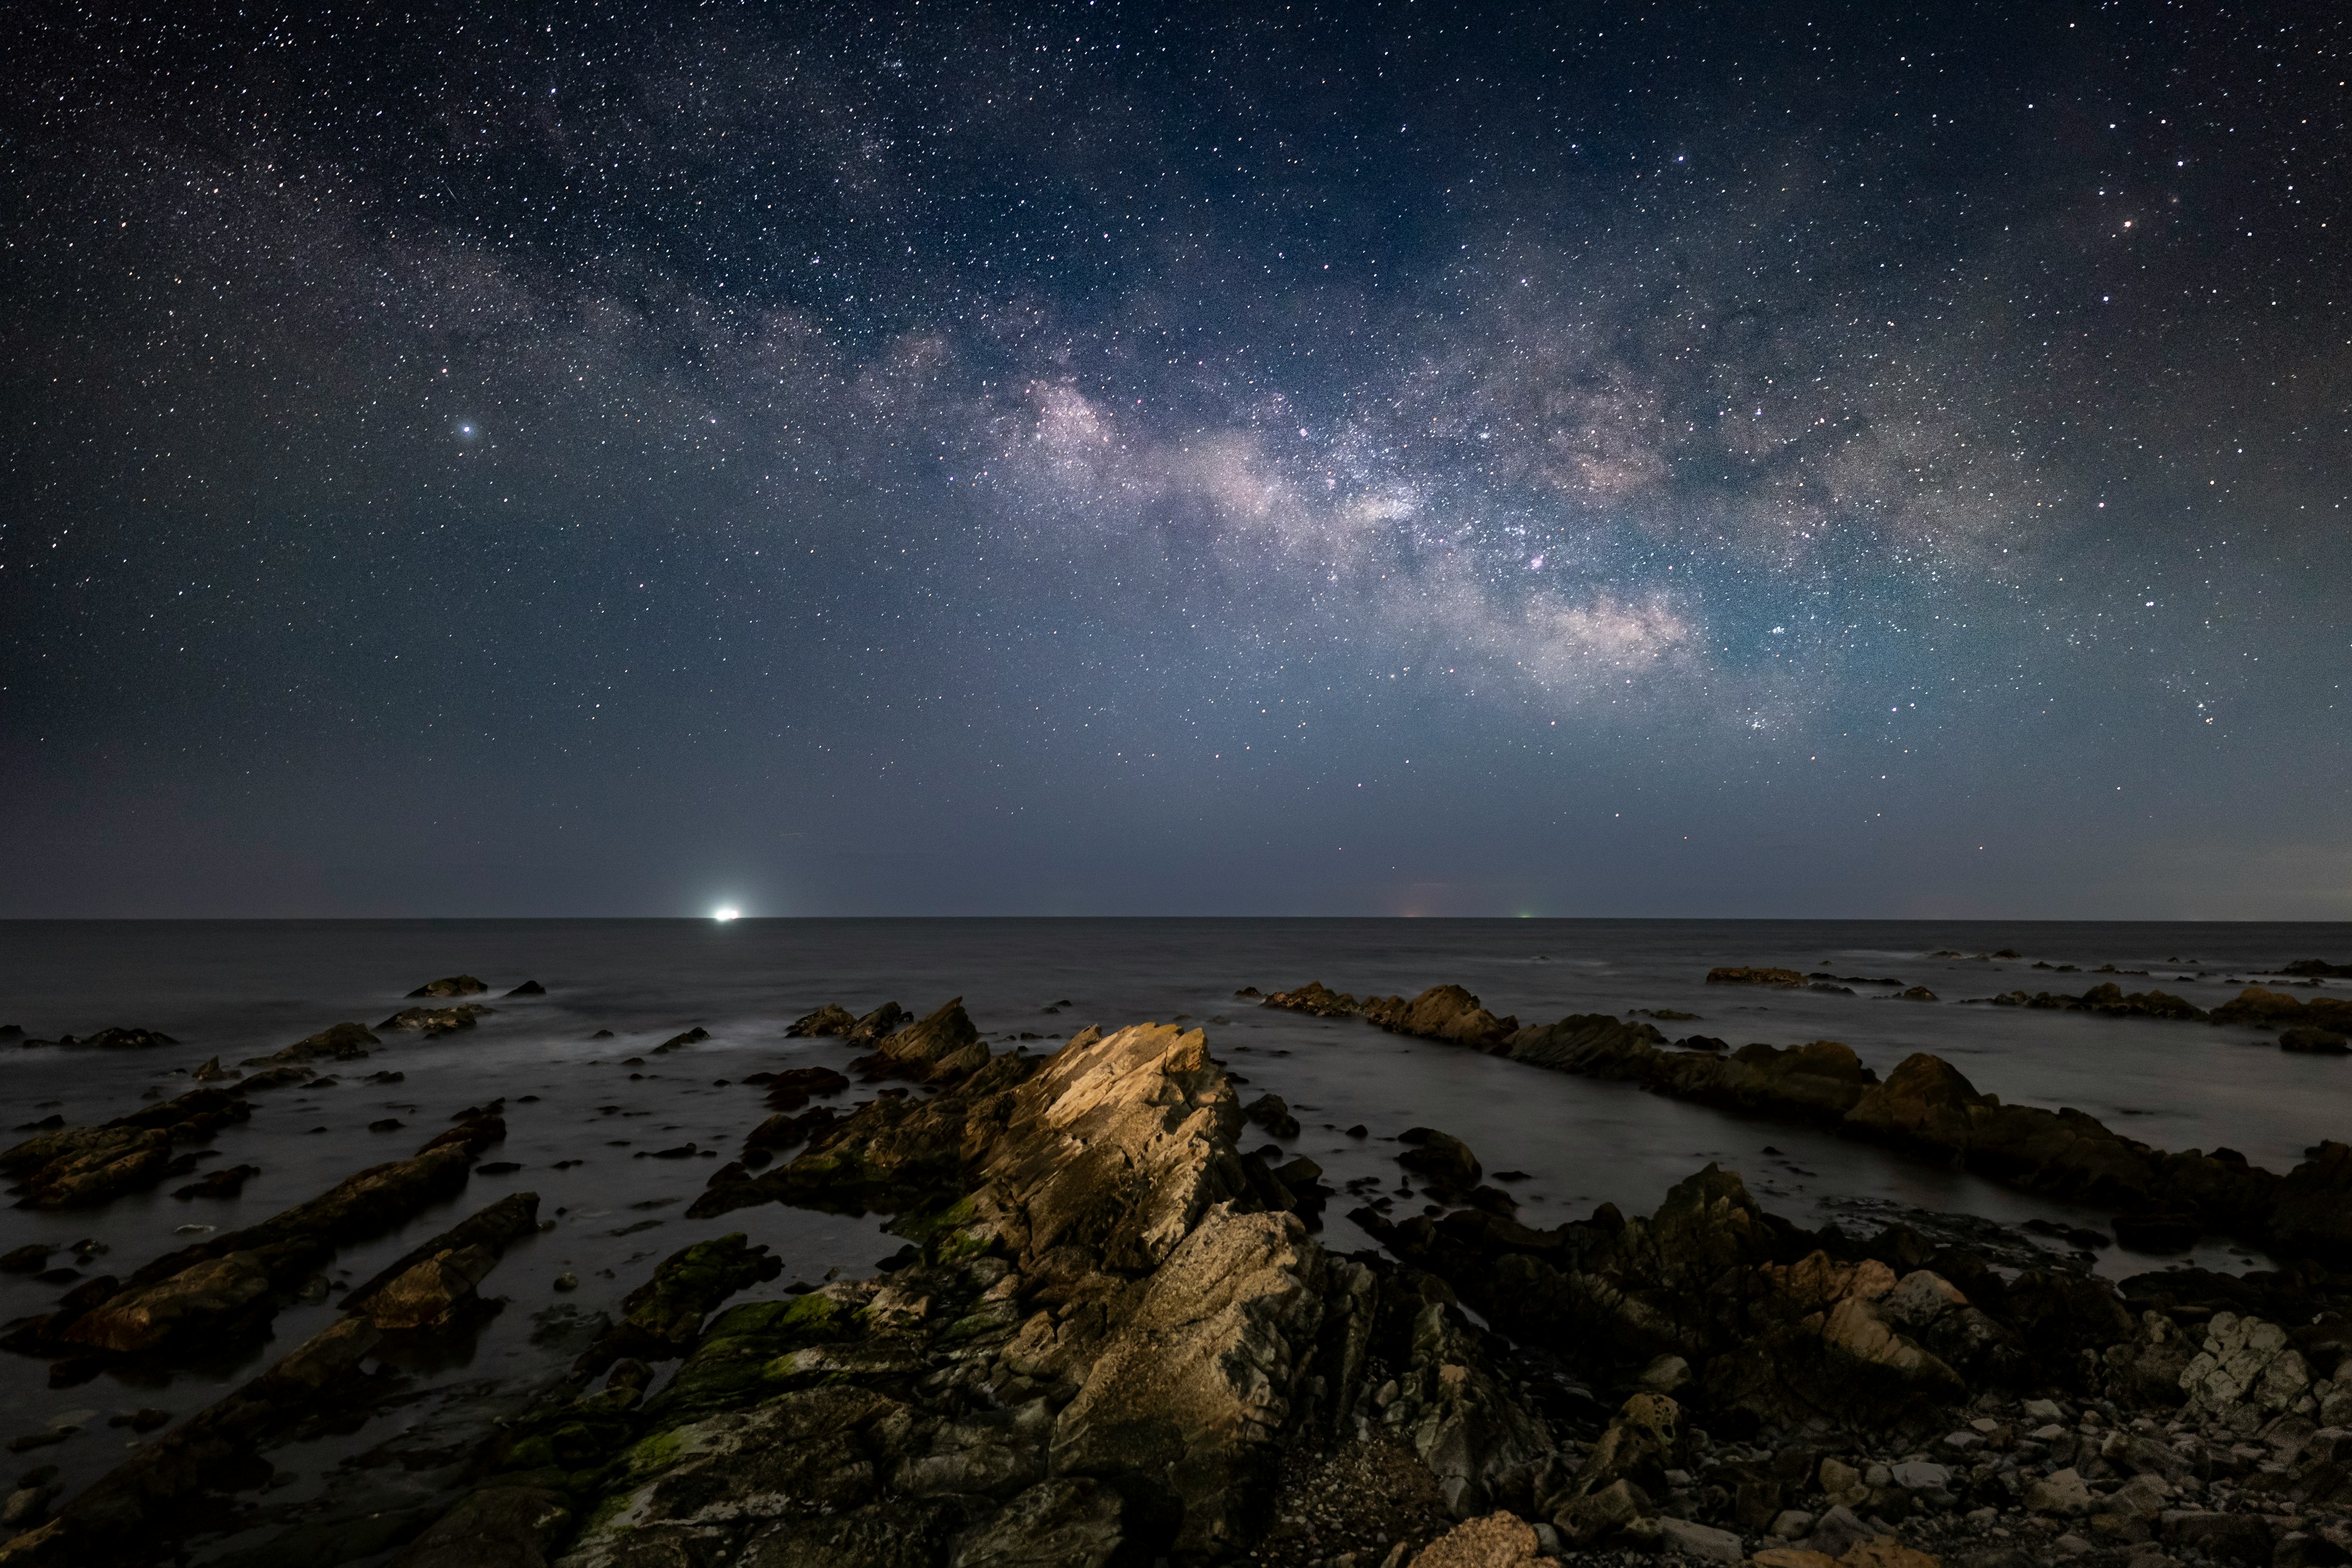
1793 1557
1838 1532
1495 1541
2063 1493
2309 1041
1599 1514
1920 1476
1440 1158
1703 1542
2245 1372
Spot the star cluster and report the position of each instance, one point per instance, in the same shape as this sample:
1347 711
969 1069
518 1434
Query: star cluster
1384 457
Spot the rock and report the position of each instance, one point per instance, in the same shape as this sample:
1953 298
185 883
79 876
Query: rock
120 1039
661 1318
497 1527
1789 1524
435 1021
1916 993
2223 1537
1885 1552
1785 979
224 1183
2061 1493
1058 1523
135 1510
211 1072
1837 1532
1495 1541
529 988
1440 1158
693 1037
943 1046
1920 1476
451 986
1665 1374
1599 1514
2245 1372
1271 1113
793 1088
2310 1041
1446 1013
228 1286
338 1042
1702 1541
1314 999
1793 1557
830 1019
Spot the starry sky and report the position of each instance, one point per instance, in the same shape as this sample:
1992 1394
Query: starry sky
579 458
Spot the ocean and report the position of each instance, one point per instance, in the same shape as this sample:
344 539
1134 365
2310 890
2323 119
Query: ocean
239 989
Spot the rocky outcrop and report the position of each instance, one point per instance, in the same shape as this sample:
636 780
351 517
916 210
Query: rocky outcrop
225 1289
137 1510
74 1167
1445 1013
1928 1109
1106 1333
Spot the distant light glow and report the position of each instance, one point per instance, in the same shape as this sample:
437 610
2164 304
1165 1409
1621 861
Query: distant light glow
726 914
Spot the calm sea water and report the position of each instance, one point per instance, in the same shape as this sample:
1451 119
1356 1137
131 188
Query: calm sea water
240 989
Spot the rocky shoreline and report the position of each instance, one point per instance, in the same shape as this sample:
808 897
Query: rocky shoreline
1925 1107
1113 1335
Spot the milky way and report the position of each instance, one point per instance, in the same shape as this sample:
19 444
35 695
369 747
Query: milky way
1381 460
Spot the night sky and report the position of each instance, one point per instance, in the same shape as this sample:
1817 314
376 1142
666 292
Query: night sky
1561 459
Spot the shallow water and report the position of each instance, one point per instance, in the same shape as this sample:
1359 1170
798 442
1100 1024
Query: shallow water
240 989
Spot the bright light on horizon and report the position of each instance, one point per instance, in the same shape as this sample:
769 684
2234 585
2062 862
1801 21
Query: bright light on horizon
726 914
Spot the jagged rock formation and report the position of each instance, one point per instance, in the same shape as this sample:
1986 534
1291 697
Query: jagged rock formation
1108 1333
